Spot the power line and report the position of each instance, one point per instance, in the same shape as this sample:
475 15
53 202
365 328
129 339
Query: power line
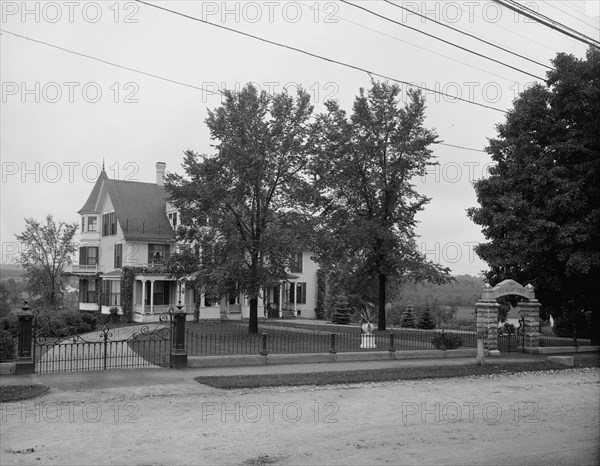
548 22
443 40
572 16
410 43
320 57
461 147
511 31
162 78
173 81
469 35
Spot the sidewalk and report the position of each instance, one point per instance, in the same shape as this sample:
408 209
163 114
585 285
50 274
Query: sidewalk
114 379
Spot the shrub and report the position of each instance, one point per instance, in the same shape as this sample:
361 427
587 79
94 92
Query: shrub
114 314
89 321
409 319
447 340
342 312
426 320
7 346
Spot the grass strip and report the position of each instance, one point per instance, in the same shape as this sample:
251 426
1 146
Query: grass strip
11 393
379 375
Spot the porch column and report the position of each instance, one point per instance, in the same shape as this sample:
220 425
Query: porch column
182 295
281 286
143 296
133 297
151 296
295 284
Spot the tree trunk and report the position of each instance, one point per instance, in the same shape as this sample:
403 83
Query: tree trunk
253 325
381 313
595 325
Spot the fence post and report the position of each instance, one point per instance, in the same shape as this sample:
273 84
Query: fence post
443 347
332 342
25 364
264 350
178 352
575 337
392 348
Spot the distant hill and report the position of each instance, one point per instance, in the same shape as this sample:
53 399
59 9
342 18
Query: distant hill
14 271
465 291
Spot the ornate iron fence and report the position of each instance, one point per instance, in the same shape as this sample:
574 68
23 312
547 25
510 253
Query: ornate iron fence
217 339
56 350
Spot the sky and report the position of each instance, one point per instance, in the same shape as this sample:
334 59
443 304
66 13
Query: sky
126 84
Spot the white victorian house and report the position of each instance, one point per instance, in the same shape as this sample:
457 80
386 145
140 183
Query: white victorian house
129 223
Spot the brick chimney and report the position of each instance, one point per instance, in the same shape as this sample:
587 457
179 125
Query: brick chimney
160 173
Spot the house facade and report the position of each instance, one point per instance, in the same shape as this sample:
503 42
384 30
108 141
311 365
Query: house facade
131 224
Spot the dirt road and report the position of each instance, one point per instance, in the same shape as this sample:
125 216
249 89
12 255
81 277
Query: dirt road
531 418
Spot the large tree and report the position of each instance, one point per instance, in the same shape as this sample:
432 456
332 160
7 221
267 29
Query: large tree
540 206
363 168
45 251
243 205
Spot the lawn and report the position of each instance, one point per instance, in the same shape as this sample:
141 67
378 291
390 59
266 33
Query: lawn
228 337
383 375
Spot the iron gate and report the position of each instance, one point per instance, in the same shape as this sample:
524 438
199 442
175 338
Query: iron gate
57 351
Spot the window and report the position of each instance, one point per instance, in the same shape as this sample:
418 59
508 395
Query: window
82 224
111 293
173 219
118 256
296 262
88 255
87 291
161 293
92 222
300 288
158 253
109 224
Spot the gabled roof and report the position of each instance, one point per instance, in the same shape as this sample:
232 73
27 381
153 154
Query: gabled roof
140 208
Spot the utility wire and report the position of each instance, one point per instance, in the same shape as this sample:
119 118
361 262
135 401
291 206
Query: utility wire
548 22
528 38
410 43
173 81
461 147
572 16
320 57
162 78
469 34
443 40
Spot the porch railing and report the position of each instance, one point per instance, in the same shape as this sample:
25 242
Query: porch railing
161 308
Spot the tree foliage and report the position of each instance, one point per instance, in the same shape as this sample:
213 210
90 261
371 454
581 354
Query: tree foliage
363 170
540 206
45 251
426 320
243 205
409 318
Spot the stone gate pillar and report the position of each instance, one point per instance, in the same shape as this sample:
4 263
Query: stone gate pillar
178 351
529 311
487 319
25 363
